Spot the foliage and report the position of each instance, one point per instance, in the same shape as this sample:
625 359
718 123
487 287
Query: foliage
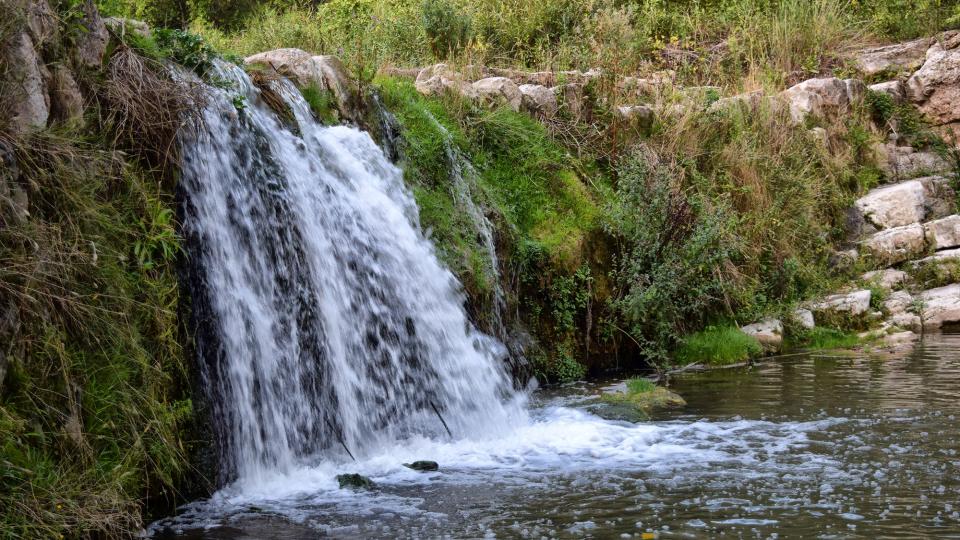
447 29
322 103
823 337
718 346
640 386
185 48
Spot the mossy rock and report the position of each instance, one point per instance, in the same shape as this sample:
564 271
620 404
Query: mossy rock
355 481
423 466
637 406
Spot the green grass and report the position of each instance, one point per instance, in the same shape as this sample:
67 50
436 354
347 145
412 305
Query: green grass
322 103
640 386
717 346
823 337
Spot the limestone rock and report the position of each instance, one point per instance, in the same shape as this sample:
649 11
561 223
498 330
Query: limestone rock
893 206
749 101
940 256
853 303
805 318
906 162
888 279
640 115
898 339
940 306
935 87
499 90
538 100
909 321
894 89
27 76
572 99
92 41
437 79
898 302
892 246
905 56
122 26
304 69
66 101
943 233
768 332
825 97
41 22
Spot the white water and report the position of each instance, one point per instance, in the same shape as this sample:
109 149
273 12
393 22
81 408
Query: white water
326 320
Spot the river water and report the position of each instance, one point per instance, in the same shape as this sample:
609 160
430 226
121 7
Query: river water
826 445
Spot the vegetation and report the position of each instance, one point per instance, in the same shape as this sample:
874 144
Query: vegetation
641 398
718 346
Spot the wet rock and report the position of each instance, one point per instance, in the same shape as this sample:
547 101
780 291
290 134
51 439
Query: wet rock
898 339
905 56
636 406
888 279
853 303
538 100
91 43
325 72
423 466
355 481
943 233
894 89
768 332
66 101
804 317
896 245
940 306
935 87
497 90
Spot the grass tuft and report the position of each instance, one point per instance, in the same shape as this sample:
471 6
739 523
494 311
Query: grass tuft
718 346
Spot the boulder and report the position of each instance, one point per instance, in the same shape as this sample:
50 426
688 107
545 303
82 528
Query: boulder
27 85
853 303
892 246
423 466
91 42
804 317
639 115
935 87
943 233
41 23
825 97
938 257
899 339
894 89
749 101
907 320
438 79
898 302
888 279
768 332
538 100
893 206
121 26
940 306
325 72
499 90
906 162
355 481
66 101
906 56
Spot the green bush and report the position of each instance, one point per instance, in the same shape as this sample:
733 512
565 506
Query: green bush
447 28
717 346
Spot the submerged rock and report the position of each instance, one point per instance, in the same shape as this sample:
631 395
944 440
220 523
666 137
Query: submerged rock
423 465
355 481
637 406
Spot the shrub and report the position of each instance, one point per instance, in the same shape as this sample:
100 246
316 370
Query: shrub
718 346
447 28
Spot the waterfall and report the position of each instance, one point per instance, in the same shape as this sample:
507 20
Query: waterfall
325 324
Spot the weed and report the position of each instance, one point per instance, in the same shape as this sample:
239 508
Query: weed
718 346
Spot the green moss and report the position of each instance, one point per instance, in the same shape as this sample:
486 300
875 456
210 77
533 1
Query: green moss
641 398
322 103
718 346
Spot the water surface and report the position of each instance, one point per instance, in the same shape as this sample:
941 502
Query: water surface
814 446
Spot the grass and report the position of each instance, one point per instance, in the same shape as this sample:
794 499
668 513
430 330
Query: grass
822 337
717 346
640 386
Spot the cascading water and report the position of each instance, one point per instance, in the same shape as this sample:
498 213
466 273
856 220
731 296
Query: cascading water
326 324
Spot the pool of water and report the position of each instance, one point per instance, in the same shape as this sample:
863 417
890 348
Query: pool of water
826 445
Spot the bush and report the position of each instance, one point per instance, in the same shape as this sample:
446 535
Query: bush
447 28
718 346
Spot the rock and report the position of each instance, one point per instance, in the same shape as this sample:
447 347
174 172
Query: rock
943 233
66 101
940 256
894 89
804 317
423 466
768 332
14 203
854 303
896 245
893 206
639 115
898 57
749 102
888 279
572 100
906 162
856 91
355 481
898 302
825 98
26 78
122 26
935 87
538 100
325 72
909 321
91 43
844 259
636 406
41 23
438 79
821 136
499 90
898 339
940 306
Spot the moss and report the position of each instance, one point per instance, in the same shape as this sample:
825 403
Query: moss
322 103
639 401
718 346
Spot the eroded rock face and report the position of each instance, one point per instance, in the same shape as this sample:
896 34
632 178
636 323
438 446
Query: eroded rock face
768 332
30 103
943 233
940 306
894 206
896 245
935 87
499 90
66 101
825 97
538 100
853 303
325 72
92 42
894 89
888 279
905 56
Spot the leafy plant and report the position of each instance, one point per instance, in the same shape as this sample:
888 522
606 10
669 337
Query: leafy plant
185 48
719 346
447 28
